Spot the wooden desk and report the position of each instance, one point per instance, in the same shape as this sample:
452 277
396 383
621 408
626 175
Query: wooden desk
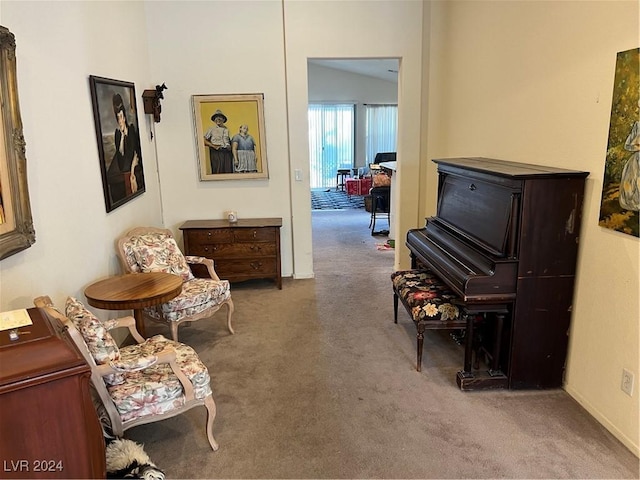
50 428
134 291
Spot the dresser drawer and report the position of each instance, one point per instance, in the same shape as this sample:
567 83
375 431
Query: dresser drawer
213 235
238 268
254 234
246 250
229 250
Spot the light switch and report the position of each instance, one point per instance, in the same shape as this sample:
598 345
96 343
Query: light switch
298 174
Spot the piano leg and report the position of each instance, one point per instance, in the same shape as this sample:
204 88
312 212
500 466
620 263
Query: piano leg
468 346
465 378
494 369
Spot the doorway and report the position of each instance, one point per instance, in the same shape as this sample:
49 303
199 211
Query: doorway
353 111
352 106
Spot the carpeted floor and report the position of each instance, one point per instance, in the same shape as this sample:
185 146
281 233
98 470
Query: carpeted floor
321 199
319 382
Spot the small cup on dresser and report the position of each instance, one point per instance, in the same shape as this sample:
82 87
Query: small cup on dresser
232 216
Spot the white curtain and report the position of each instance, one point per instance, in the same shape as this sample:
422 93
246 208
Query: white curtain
331 142
381 128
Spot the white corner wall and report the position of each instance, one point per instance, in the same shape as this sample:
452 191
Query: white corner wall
263 47
353 29
219 47
58 45
532 82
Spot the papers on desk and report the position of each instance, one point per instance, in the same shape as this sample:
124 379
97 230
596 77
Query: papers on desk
14 319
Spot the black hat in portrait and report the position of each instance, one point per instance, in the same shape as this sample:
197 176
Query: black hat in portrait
218 114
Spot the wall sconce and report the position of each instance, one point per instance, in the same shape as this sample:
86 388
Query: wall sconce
151 101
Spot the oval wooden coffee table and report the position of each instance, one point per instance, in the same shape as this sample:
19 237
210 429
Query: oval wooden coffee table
134 291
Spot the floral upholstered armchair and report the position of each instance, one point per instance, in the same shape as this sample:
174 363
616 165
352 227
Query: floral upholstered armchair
149 381
149 249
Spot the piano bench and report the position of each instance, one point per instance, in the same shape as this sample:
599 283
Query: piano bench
429 302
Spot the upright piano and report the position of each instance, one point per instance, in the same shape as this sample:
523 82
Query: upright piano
507 232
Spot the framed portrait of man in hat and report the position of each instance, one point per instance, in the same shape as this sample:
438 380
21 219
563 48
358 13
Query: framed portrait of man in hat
229 134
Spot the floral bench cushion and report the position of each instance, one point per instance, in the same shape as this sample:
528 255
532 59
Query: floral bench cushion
156 389
426 297
157 252
197 295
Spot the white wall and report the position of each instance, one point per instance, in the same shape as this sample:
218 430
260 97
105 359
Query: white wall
219 47
326 83
384 29
195 48
58 45
532 82
241 50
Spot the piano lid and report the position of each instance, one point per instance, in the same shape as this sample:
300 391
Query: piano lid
478 210
506 168
479 198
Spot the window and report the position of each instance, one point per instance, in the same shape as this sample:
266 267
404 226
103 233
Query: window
331 142
381 128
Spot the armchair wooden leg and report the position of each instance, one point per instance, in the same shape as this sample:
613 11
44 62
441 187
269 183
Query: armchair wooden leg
230 309
174 331
211 415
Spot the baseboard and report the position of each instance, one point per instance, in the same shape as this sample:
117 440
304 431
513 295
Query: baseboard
302 276
604 421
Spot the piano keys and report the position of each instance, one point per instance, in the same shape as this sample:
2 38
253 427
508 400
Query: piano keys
507 233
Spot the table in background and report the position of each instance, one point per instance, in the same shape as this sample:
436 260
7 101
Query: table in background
134 291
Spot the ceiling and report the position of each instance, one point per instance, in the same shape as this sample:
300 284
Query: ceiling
381 68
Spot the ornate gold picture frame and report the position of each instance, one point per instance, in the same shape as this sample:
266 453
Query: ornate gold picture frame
230 137
16 224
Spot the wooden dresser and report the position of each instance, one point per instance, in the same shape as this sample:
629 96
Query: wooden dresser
245 250
49 426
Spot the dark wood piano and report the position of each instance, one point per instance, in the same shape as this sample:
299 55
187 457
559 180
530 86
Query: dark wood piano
507 233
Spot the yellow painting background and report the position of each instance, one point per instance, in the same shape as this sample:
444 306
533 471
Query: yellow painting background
237 113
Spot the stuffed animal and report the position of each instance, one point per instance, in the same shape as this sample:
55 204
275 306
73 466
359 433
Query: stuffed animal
127 459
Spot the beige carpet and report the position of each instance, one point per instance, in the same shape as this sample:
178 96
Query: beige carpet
318 382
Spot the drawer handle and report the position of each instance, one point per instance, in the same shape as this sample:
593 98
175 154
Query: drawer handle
255 233
206 249
208 234
255 248
256 265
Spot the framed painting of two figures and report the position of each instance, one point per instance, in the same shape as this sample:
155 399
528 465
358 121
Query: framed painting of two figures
230 137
